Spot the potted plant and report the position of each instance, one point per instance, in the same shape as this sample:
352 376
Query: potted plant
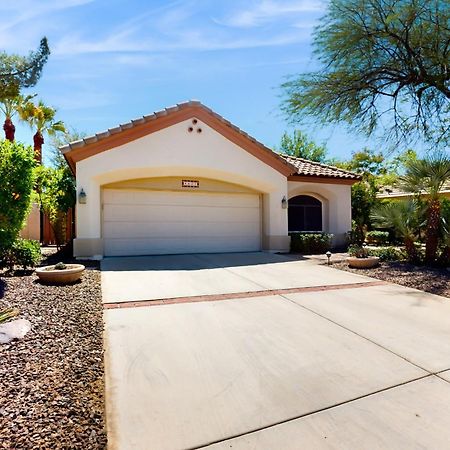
360 259
60 273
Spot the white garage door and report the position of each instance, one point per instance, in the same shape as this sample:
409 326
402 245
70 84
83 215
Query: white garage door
164 222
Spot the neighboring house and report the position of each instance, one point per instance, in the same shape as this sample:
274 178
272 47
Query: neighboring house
185 180
395 193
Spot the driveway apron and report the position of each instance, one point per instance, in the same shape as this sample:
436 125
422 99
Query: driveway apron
262 351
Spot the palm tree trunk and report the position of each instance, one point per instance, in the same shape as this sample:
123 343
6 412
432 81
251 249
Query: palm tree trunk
38 140
433 221
411 249
9 129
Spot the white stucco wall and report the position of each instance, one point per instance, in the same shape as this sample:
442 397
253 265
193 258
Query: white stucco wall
174 151
336 205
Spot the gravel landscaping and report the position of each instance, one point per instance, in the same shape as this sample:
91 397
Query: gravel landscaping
52 380
435 281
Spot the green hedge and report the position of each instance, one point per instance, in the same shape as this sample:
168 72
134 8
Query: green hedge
377 237
24 253
388 253
310 243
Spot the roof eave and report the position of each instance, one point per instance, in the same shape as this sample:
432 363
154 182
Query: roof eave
323 179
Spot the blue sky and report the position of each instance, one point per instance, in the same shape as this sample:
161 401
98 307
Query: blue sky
114 60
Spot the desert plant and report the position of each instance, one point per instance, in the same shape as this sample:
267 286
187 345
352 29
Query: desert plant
358 251
428 176
41 118
8 314
404 218
60 266
9 107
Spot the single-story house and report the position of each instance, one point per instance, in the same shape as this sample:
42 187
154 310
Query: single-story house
185 180
396 193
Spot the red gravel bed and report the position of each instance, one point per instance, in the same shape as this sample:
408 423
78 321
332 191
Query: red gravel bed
51 394
428 279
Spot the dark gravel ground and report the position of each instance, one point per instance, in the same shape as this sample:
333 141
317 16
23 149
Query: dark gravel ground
436 281
51 394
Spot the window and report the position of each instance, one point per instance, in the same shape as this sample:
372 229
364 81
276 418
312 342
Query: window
304 214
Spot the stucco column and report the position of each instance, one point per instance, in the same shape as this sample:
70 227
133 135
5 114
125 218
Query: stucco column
88 242
275 224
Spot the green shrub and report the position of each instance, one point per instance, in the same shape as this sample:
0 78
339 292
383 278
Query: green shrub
23 252
356 235
16 185
377 237
388 254
358 251
310 243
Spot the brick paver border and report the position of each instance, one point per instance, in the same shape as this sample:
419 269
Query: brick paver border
237 295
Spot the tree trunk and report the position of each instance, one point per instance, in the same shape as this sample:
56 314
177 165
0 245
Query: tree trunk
10 129
411 250
38 140
432 240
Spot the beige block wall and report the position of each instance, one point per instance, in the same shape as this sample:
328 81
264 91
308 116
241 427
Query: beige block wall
32 228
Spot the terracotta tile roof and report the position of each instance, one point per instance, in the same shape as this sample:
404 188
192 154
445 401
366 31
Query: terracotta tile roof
396 192
311 168
294 166
150 117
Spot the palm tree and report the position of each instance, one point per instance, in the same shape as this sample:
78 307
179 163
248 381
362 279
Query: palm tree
404 218
426 178
9 107
41 118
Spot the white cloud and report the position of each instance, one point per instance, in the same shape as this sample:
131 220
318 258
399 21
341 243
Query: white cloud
265 11
193 41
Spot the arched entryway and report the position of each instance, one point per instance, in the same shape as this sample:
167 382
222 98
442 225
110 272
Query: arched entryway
305 214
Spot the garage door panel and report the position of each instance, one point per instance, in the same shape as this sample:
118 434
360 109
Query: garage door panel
160 222
118 197
129 247
115 230
182 214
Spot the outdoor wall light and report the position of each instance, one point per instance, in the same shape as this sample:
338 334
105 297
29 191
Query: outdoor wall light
82 197
284 203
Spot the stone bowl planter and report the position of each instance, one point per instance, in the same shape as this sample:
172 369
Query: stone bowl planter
50 275
363 263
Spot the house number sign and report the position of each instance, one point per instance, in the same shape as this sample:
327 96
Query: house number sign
190 183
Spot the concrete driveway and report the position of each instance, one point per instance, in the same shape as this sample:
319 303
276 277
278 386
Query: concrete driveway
259 351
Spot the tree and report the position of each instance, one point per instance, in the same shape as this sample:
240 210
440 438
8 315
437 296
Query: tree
364 199
56 191
18 72
384 65
9 107
366 162
16 175
428 176
41 118
404 218
300 146
58 140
